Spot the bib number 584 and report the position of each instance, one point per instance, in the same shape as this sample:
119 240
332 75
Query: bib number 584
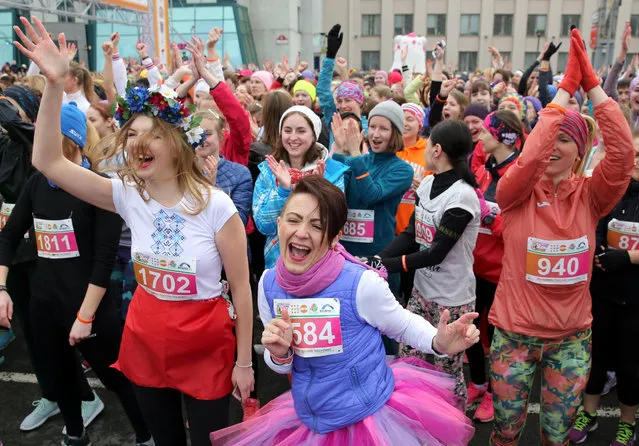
307 334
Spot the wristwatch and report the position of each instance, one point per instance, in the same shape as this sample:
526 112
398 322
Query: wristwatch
489 219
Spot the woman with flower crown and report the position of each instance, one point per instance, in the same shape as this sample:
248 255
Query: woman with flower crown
179 341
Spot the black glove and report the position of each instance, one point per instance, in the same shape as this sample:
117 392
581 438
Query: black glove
552 49
374 262
613 259
334 41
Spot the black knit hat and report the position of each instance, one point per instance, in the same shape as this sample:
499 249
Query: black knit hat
476 110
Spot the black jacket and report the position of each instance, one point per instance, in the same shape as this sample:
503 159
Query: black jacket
16 144
620 286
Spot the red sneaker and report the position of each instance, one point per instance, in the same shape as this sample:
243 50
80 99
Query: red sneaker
250 407
486 411
474 393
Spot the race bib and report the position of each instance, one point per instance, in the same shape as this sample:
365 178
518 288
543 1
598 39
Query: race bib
5 212
360 226
55 239
557 262
168 278
495 208
409 197
316 325
424 228
623 235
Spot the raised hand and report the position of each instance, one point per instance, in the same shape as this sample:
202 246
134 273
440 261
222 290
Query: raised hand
196 48
214 36
339 133
353 137
297 64
268 66
439 51
72 50
285 65
334 41
302 66
320 169
115 38
277 336
549 49
457 336
280 171
38 46
209 167
447 87
626 39
142 49
107 48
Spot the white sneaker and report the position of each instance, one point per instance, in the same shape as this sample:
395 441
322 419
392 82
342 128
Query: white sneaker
44 409
90 411
146 443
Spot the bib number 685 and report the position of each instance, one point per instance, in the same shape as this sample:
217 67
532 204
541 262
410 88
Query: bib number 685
309 335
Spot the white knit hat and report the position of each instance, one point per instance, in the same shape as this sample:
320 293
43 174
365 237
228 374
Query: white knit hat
317 123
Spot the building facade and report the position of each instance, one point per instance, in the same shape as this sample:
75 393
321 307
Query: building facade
518 28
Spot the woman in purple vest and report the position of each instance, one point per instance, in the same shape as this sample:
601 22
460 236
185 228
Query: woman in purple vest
323 313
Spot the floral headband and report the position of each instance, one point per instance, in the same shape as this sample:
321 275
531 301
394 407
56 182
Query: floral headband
161 102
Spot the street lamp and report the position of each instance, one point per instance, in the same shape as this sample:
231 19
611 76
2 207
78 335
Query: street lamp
539 33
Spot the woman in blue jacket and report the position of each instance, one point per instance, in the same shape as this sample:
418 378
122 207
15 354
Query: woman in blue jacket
297 154
323 312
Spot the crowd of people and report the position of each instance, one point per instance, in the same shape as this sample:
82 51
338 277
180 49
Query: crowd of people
376 221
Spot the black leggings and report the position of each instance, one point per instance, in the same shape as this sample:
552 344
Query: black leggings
18 284
485 293
615 346
52 323
162 409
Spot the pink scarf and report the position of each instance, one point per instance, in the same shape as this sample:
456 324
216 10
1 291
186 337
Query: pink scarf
320 275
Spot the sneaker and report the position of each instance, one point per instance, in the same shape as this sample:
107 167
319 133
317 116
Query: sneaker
475 393
86 368
77 441
146 443
250 406
611 383
486 411
625 435
44 409
584 424
90 411
6 337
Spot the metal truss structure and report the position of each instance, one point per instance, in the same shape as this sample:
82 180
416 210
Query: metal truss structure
89 10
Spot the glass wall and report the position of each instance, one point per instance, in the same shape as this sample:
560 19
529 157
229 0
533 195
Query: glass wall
6 36
129 36
237 39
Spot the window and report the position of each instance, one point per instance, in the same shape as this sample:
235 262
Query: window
634 22
370 60
536 24
530 58
403 24
371 24
562 61
566 21
436 25
469 25
503 25
467 60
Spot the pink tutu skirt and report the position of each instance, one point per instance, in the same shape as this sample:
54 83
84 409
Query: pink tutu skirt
421 411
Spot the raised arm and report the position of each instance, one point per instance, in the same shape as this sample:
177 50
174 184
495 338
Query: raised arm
47 147
109 81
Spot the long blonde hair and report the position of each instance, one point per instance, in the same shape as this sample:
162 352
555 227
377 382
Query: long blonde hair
191 181
85 81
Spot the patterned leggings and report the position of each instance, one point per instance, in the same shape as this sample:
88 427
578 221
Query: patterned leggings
431 311
564 366
123 277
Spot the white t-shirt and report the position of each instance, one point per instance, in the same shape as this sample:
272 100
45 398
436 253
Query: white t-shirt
170 239
452 282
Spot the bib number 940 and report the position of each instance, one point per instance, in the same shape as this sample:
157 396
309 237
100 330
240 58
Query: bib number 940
561 267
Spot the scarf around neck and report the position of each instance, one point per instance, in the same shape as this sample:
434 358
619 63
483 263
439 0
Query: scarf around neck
322 274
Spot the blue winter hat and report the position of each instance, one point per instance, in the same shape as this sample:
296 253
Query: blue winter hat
552 91
74 123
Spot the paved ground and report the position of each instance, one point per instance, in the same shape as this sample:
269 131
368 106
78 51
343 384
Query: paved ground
18 390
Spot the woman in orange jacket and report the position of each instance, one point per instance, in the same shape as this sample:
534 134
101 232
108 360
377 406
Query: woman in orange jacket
542 308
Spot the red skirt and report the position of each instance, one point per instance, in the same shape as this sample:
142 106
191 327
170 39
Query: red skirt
188 346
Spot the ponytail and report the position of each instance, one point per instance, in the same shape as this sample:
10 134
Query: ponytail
462 168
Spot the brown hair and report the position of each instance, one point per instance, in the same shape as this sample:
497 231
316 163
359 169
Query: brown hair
35 82
396 142
382 91
312 154
191 181
479 85
211 115
275 104
85 81
462 100
230 75
331 202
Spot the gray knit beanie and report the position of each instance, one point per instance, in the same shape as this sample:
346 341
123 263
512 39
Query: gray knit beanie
391 111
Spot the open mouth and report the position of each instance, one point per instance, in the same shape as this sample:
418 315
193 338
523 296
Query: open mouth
554 158
297 252
446 115
145 161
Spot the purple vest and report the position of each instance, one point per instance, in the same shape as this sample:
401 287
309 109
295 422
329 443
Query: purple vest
332 392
